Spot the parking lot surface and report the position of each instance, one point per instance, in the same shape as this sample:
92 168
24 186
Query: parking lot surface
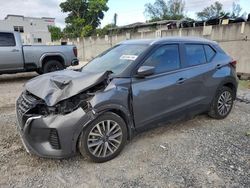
199 152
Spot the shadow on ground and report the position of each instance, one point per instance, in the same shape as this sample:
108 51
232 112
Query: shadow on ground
20 77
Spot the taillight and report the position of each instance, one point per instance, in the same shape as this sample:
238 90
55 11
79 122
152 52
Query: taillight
75 51
233 64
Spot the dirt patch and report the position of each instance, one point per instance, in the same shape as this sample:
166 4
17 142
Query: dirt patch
11 86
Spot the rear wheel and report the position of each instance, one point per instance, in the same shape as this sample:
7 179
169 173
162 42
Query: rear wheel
39 71
52 65
222 103
104 138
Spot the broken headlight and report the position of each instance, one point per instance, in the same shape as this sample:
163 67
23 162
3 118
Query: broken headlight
64 107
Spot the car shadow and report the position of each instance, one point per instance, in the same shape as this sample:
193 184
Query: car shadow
184 125
19 77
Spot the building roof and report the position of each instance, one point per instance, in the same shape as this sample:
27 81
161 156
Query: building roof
142 24
21 16
13 15
48 18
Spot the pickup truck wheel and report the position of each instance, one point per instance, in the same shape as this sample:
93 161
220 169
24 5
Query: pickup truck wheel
52 65
104 138
39 71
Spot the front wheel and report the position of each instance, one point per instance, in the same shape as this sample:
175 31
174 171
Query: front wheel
222 103
104 138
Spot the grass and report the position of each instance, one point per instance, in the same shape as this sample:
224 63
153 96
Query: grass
244 84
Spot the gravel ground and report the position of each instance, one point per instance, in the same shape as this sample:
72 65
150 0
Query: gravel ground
199 152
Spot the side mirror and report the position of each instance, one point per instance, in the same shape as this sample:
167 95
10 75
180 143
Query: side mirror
144 71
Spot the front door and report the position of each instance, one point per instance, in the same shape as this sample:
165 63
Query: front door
168 92
10 53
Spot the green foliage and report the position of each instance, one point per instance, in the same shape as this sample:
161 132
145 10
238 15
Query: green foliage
87 30
213 10
105 30
244 84
216 10
84 16
189 19
165 10
56 33
236 10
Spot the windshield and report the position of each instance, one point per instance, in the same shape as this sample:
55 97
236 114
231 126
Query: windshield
116 59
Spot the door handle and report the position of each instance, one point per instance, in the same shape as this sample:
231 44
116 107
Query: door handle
181 81
15 50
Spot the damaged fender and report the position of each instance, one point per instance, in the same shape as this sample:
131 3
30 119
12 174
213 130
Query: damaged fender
116 97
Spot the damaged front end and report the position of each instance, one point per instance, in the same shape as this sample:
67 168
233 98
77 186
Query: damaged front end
53 112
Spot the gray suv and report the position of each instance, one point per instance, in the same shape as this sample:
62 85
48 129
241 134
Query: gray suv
128 88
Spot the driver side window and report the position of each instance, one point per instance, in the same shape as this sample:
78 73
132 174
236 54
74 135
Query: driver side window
165 58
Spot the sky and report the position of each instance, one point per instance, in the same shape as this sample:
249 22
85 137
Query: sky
129 11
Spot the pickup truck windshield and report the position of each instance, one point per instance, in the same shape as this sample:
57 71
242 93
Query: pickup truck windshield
116 59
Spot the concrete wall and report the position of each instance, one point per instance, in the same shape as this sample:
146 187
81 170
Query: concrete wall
239 50
233 38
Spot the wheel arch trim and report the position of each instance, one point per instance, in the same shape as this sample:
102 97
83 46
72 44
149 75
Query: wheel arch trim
46 55
114 108
120 111
230 81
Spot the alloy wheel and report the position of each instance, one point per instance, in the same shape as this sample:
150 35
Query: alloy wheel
225 103
104 138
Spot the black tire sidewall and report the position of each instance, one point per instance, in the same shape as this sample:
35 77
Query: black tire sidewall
83 147
50 63
214 108
39 71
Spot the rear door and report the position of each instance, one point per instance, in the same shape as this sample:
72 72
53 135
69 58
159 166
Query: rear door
10 52
163 94
199 69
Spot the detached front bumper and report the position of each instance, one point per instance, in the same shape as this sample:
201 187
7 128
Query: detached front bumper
54 136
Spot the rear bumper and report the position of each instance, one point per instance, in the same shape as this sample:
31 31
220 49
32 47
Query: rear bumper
54 136
75 62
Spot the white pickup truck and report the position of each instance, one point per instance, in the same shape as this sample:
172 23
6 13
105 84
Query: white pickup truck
15 57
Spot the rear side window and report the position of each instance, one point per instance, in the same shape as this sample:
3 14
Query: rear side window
195 54
219 49
7 39
165 58
210 53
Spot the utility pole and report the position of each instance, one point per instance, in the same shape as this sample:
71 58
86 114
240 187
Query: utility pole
115 19
111 28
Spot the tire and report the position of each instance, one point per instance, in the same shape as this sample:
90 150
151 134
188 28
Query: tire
99 147
52 65
39 71
219 103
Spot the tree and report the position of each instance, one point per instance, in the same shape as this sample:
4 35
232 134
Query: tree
214 10
165 10
105 30
84 16
236 10
56 33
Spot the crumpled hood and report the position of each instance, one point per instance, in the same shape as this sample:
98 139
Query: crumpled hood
57 86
